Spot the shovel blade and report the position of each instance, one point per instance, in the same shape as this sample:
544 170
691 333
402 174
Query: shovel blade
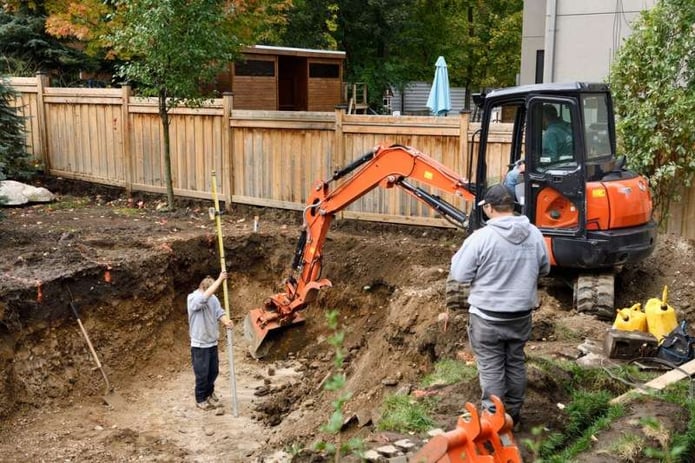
114 400
257 330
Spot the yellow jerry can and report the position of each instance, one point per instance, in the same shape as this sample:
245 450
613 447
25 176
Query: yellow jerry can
661 317
631 319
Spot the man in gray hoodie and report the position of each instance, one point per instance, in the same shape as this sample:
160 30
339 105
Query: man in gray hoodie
500 264
204 314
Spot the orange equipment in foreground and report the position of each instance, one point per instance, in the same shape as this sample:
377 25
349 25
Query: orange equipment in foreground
485 438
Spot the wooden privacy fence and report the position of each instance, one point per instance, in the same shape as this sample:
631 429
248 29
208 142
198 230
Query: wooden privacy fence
262 158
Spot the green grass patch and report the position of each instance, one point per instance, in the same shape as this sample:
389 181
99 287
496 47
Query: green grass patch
449 371
126 211
681 393
403 413
584 440
69 202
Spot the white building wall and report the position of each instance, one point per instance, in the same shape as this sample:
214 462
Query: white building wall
533 38
583 41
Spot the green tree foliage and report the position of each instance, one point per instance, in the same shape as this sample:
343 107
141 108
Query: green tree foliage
13 155
310 24
653 83
392 42
172 48
480 40
368 32
26 48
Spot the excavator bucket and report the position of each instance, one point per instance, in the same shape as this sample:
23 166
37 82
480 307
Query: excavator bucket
258 331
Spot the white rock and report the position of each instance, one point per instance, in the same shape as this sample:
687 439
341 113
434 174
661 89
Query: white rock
404 444
17 193
388 450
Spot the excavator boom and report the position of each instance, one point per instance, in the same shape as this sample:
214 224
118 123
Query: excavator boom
386 167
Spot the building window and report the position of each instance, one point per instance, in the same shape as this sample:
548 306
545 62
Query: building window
540 57
324 71
254 67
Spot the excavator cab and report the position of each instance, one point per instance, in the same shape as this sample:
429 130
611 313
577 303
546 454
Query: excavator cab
595 214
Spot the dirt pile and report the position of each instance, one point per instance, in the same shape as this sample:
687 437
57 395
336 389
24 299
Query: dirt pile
129 267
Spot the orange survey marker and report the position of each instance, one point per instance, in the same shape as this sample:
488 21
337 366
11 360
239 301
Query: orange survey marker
39 292
485 438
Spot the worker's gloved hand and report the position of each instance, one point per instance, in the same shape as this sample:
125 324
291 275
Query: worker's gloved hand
457 294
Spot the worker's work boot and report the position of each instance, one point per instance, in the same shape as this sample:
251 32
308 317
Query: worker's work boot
214 400
516 419
205 405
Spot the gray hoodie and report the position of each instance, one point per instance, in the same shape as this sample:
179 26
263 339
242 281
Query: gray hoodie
203 316
502 261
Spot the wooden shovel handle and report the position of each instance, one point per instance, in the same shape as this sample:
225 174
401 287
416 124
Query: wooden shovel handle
86 336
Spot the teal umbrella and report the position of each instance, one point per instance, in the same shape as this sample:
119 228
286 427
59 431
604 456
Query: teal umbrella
439 101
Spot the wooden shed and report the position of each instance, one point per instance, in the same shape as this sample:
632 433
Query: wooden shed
285 79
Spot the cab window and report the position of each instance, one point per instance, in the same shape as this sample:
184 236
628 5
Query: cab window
595 112
555 143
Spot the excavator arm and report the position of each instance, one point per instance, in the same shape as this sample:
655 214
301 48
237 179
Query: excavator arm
385 167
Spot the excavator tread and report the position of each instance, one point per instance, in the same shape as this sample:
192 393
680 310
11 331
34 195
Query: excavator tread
595 295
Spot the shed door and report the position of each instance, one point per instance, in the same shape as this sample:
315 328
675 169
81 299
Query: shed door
292 83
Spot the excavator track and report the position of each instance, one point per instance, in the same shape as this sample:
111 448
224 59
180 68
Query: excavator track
594 294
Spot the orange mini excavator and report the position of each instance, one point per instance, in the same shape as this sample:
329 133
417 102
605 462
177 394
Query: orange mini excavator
595 214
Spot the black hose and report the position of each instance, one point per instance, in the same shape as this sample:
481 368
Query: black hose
352 166
299 250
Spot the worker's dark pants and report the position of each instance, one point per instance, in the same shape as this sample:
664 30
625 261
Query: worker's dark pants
499 350
206 366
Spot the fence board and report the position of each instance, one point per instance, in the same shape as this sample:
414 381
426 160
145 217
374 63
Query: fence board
26 104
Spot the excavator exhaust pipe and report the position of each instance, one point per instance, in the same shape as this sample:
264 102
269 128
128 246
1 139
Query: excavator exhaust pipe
258 331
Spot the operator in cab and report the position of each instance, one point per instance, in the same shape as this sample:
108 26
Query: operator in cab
557 137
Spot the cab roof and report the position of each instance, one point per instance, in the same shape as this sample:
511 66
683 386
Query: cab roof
552 88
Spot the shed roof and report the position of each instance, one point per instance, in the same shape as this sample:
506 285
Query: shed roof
287 51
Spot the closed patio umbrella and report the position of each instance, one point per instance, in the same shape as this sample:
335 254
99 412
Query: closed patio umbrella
439 101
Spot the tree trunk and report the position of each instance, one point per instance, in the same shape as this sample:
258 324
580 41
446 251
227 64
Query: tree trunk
164 116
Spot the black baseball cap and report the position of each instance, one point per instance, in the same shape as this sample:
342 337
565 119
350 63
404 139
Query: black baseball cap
497 195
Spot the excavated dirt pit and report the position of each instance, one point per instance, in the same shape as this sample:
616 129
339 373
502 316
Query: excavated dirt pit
128 269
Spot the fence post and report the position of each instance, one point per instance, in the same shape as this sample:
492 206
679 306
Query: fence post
42 81
128 163
339 145
227 161
463 141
